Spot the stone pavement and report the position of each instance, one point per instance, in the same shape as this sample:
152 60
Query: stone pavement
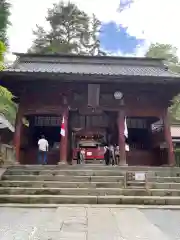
89 223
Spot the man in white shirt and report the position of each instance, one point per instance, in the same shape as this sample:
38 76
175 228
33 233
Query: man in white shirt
43 149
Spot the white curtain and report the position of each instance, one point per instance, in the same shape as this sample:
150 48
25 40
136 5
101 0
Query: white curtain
126 134
125 128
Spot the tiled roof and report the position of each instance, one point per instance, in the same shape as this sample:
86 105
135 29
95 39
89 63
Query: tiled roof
99 69
91 65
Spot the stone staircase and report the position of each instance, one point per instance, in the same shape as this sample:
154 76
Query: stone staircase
89 184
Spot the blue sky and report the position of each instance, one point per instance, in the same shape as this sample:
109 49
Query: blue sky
115 38
128 26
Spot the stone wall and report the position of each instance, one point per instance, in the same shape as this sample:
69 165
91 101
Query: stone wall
7 155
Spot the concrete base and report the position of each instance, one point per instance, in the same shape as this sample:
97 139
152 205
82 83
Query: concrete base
62 163
114 206
123 164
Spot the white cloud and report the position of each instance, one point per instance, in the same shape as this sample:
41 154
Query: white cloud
25 15
119 53
154 20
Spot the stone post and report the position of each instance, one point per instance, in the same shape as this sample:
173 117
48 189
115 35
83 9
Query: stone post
64 139
121 137
17 135
168 140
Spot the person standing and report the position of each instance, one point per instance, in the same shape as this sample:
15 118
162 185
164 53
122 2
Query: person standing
43 146
83 155
117 155
106 155
78 156
112 155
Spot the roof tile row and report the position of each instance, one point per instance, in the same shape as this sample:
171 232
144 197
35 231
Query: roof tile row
99 69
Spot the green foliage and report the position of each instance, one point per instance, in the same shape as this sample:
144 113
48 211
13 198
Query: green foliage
169 54
92 43
7 106
174 110
71 31
177 156
174 67
4 22
2 51
164 51
177 150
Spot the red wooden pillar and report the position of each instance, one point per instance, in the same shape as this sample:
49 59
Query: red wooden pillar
64 139
121 127
168 140
17 134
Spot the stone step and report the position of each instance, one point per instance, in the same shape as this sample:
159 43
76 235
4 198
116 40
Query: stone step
88 191
164 192
73 199
135 184
157 185
92 170
71 191
168 173
89 184
164 179
63 178
56 184
98 167
70 172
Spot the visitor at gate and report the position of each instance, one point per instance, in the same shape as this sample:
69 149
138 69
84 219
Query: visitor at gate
78 156
112 155
82 155
106 155
117 155
43 149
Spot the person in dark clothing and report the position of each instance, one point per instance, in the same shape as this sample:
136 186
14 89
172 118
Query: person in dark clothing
79 156
107 155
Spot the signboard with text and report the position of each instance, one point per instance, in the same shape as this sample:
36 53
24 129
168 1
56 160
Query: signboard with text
140 176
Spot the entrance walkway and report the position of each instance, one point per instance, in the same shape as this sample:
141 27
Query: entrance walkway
89 223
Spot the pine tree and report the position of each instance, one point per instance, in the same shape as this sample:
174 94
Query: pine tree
71 31
92 43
